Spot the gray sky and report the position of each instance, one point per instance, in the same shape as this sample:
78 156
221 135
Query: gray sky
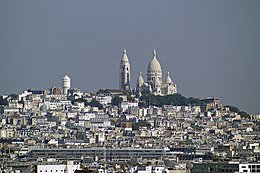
210 47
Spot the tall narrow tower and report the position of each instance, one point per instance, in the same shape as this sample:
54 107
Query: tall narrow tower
65 84
124 73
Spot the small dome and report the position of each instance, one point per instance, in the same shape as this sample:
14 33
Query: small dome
140 80
168 79
66 77
124 58
154 65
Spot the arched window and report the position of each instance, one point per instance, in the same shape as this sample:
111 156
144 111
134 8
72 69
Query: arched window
128 77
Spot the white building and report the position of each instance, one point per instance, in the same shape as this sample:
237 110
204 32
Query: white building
100 120
127 105
249 167
65 84
69 167
8 132
150 169
9 110
154 83
104 100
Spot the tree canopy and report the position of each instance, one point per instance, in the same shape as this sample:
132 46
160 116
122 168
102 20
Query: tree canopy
81 100
13 96
95 103
3 101
136 126
129 97
174 99
236 110
116 101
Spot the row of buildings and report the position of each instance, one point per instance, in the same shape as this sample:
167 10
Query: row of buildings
38 127
67 130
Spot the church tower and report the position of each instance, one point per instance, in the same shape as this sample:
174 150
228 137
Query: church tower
124 73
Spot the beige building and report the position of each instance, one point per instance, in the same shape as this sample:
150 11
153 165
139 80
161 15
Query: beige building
8 132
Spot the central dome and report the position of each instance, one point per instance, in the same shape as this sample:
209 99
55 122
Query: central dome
154 65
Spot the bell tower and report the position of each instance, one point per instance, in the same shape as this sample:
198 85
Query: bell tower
124 73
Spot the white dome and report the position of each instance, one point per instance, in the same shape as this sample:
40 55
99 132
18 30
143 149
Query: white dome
124 58
168 79
140 80
66 78
154 65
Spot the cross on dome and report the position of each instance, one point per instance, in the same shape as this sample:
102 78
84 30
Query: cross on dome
154 53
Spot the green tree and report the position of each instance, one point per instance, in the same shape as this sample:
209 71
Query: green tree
142 104
146 93
136 126
82 101
233 109
100 91
14 96
129 97
3 101
244 114
1 109
236 110
116 101
175 99
95 103
193 101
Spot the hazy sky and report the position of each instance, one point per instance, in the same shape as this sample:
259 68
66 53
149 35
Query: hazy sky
210 47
